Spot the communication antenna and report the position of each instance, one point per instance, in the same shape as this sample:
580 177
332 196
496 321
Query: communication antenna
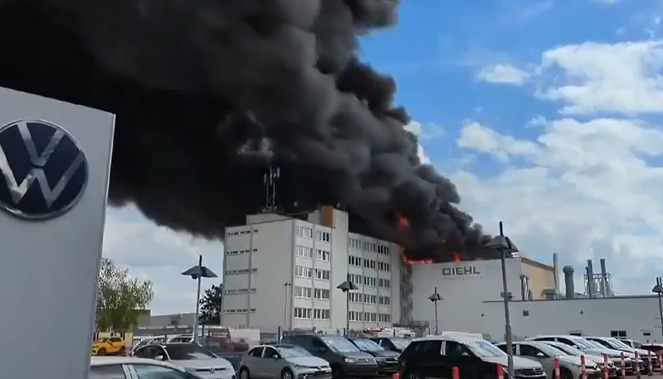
270 180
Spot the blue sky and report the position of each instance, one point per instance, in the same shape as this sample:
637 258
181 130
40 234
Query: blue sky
546 114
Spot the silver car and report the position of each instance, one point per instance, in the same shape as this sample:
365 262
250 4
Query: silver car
134 368
193 357
283 361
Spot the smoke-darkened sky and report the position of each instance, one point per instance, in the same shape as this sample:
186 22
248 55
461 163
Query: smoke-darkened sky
209 94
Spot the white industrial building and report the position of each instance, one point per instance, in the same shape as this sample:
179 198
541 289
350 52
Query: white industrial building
283 272
472 293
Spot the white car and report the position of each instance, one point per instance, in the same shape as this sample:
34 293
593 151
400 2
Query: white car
569 366
193 357
594 359
134 368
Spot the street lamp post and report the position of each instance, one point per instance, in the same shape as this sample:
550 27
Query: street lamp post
435 297
197 273
286 286
504 246
346 287
658 290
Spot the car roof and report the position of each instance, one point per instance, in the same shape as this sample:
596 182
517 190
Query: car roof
110 360
567 336
455 338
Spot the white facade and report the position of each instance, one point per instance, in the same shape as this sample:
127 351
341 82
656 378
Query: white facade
635 317
283 272
463 286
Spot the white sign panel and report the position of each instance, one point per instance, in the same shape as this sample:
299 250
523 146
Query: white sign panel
54 173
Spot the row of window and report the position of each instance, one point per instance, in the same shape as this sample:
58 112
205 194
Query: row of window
242 232
369 299
314 313
368 263
307 252
307 293
308 272
241 271
238 252
307 232
239 310
369 281
369 246
240 291
369 317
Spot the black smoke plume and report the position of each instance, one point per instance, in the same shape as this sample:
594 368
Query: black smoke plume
210 93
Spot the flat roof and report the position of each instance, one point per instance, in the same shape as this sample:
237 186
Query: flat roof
624 297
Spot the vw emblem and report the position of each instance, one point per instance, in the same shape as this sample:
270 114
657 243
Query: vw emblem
44 170
211 371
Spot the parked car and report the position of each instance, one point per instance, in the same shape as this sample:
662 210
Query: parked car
194 358
397 344
130 368
632 343
180 338
569 365
476 358
656 348
589 347
589 358
109 346
614 343
343 356
282 361
387 359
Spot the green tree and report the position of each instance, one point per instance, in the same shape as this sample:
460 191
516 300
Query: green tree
120 298
210 306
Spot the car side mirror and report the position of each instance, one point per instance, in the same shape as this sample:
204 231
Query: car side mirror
540 355
159 358
276 356
465 354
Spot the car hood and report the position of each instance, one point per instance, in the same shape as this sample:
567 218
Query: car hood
611 353
570 359
357 354
216 363
518 362
308 361
384 354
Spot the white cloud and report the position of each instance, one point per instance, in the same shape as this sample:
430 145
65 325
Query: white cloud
424 132
503 74
581 189
592 77
160 255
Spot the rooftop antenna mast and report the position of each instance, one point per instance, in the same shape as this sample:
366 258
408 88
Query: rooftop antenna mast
270 180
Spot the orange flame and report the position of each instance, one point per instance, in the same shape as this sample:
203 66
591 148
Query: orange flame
456 257
402 222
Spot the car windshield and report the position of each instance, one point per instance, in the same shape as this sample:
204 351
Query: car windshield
484 349
187 351
293 352
340 344
585 344
617 344
568 349
367 345
549 350
400 343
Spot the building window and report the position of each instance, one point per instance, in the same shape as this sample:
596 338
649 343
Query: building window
369 281
323 236
356 297
321 314
618 333
384 266
369 263
370 299
384 300
304 252
321 293
322 255
356 316
242 271
384 283
356 279
239 310
354 261
304 313
239 291
303 272
303 292
322 274
384 317
304 231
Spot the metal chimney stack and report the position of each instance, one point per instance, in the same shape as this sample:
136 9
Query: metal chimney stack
590 279
556 273
604 279
568 281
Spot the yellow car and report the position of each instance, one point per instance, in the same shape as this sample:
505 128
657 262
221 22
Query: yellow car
109 346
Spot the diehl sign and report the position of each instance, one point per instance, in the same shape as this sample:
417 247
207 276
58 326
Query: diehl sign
460 271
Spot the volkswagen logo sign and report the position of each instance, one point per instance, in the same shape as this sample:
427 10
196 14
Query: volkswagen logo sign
43 170
212 370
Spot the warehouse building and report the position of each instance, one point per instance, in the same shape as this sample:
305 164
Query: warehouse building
281 271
